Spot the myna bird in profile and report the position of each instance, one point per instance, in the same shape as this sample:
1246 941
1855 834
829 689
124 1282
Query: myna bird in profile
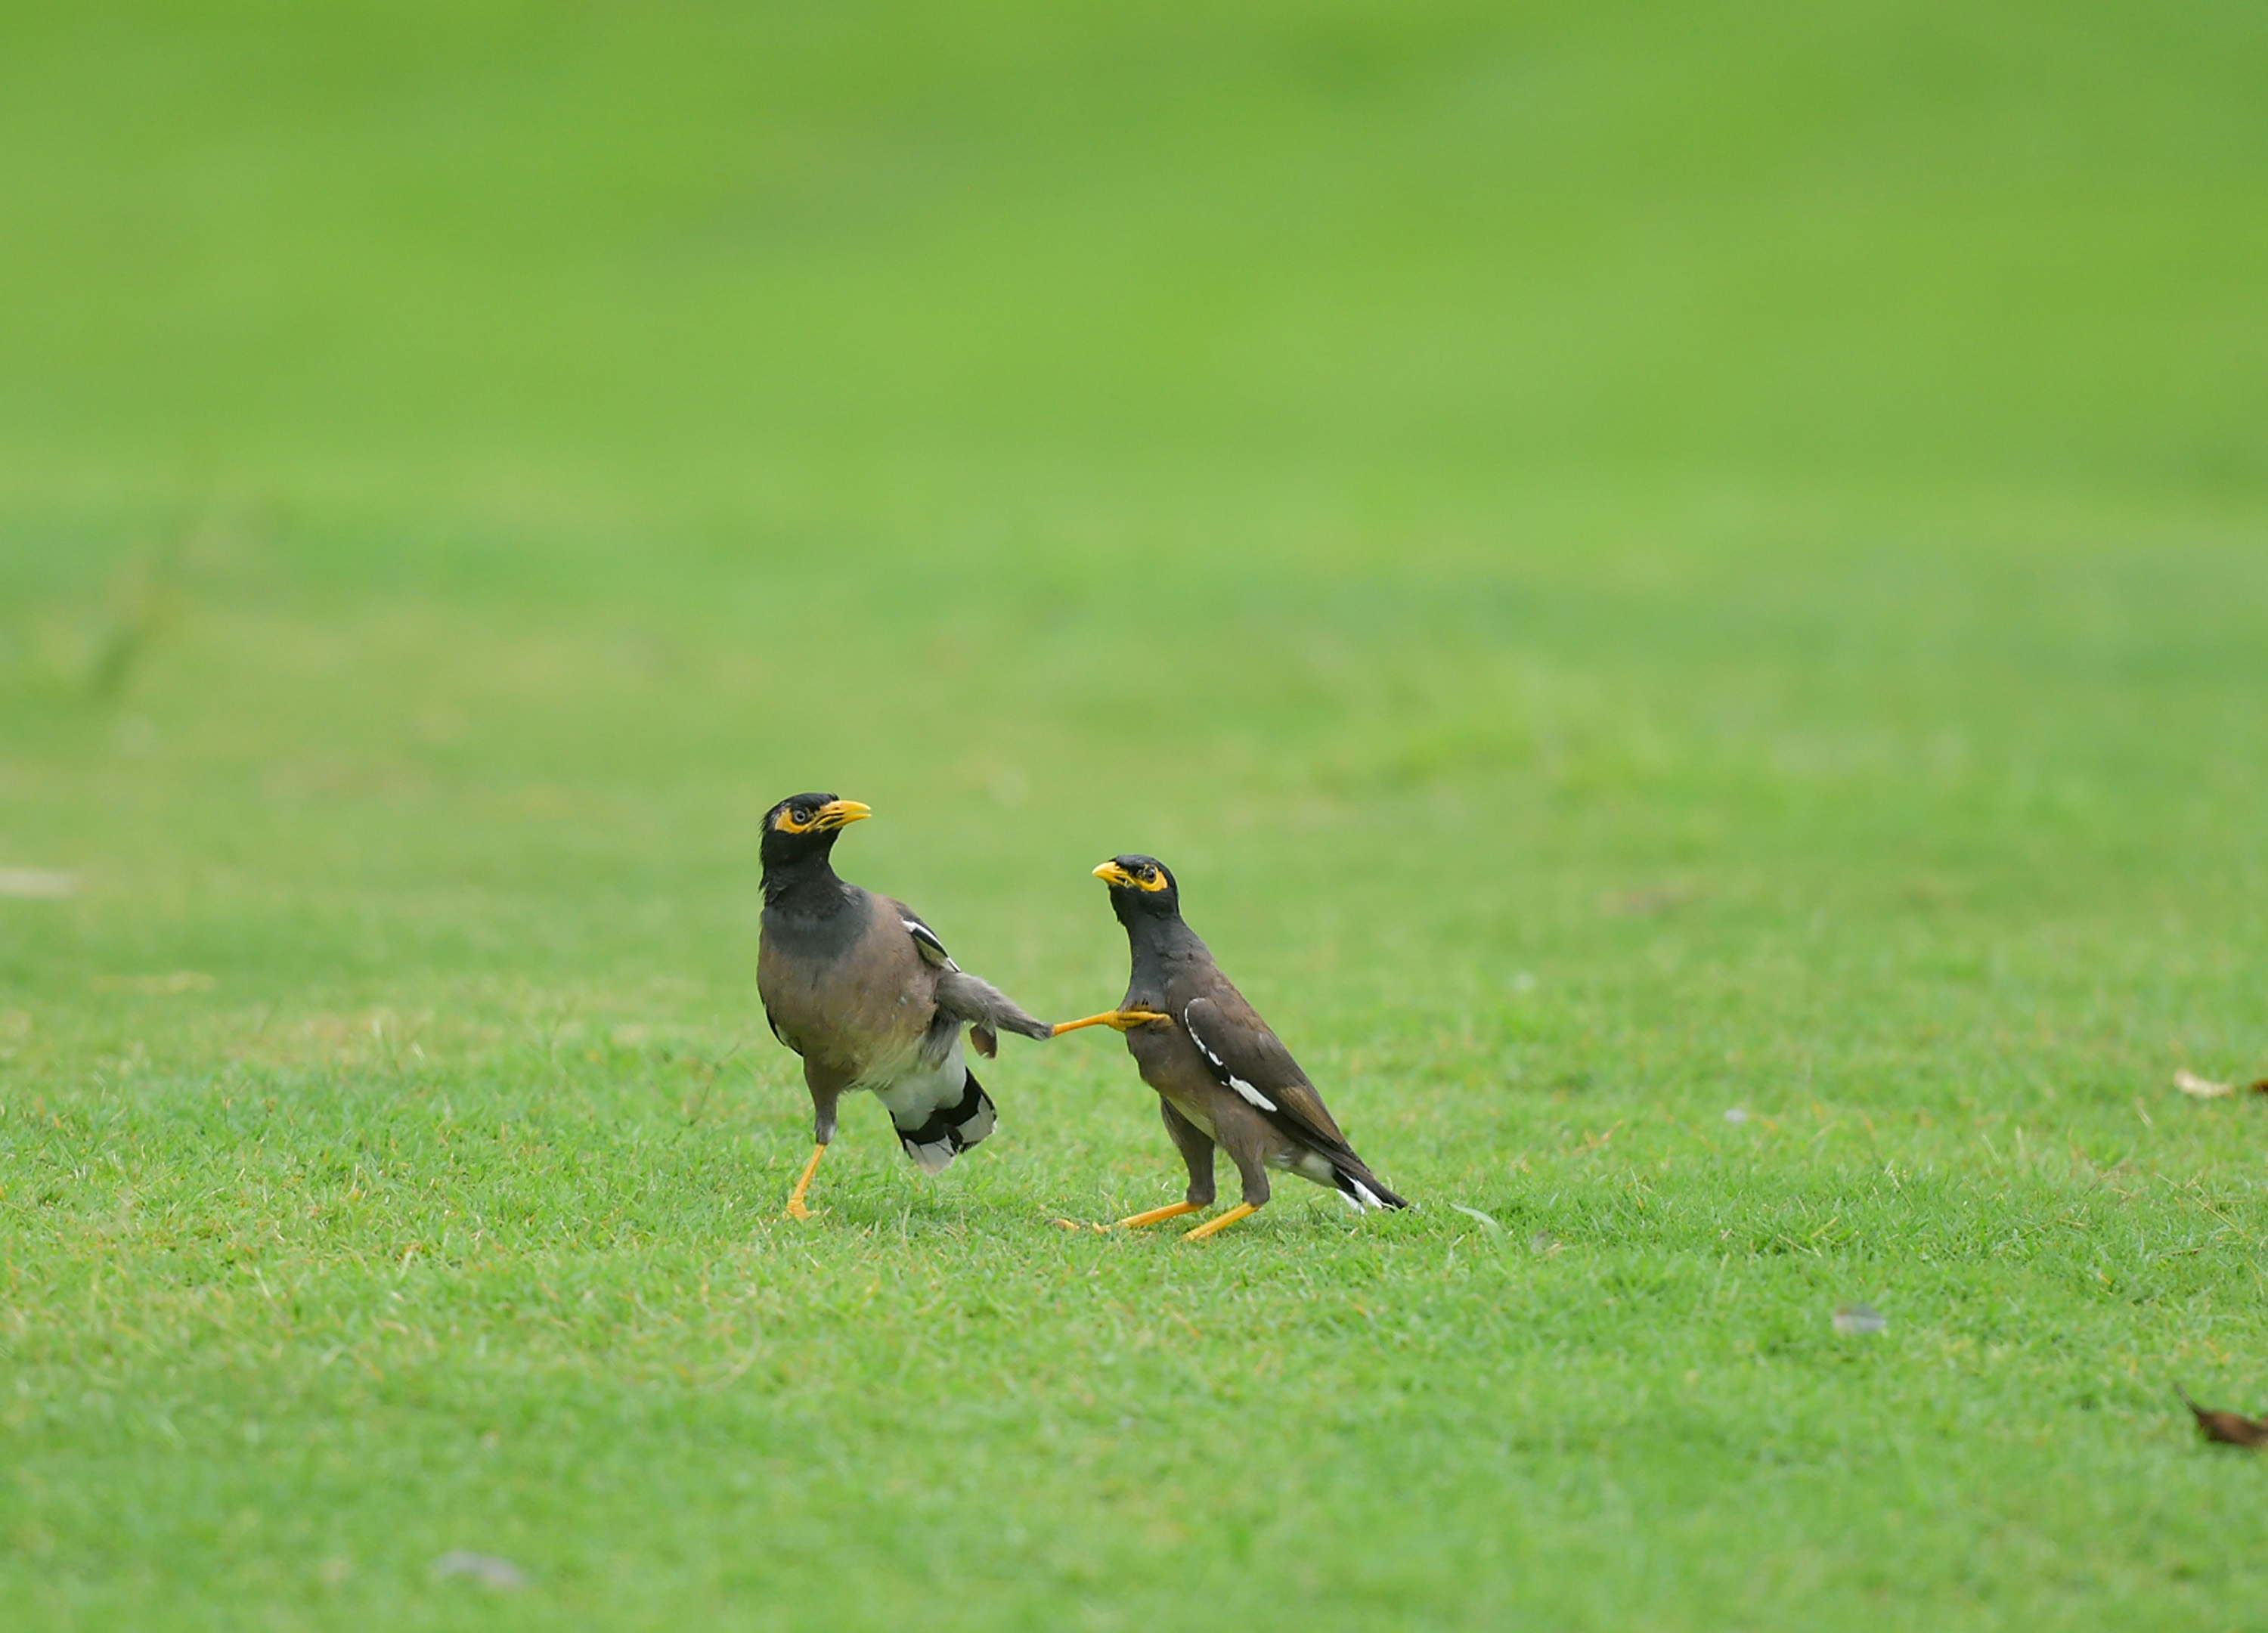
1223 1078
866 992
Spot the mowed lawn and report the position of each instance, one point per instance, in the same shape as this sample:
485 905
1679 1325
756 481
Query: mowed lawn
1686 591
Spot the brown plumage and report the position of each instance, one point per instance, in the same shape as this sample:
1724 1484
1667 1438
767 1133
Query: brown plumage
866 992
2228 1428
1223 1077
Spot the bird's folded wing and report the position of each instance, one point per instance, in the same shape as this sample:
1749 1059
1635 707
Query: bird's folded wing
1249 1059
932 950
965 997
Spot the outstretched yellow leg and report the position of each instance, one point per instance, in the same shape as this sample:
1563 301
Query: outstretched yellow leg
1117 1019
1173 1212
1243 1211
795 1208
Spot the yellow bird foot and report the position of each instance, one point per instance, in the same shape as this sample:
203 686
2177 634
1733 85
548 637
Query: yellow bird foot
1117 1019
795 1207
1173 1212
1243 1211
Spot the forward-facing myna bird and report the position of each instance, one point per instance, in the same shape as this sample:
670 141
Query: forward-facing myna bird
866 992
1223 1078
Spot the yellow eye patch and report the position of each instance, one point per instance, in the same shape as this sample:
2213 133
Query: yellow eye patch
1151 879
834 814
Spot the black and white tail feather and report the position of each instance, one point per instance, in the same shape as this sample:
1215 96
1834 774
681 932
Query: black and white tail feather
1361 1190
949 1130
934 1135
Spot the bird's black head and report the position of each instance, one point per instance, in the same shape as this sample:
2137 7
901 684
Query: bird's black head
805 826
1141 886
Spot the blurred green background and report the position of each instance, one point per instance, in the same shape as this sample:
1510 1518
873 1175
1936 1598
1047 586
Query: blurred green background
428 439
1630 556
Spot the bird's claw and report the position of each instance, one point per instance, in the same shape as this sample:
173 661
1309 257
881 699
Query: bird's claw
1117 1019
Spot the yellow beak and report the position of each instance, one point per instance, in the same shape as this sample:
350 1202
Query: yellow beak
1111 872
840 814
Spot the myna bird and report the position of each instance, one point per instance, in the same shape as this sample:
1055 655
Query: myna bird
1223 1078
866 992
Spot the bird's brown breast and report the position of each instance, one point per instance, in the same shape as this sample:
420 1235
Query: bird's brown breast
1170 1064
847 995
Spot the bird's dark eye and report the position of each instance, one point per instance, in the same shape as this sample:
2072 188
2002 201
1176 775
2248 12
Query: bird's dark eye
1149 876
802 817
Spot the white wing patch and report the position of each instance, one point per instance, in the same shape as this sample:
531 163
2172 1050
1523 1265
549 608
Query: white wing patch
931 948
1251 1096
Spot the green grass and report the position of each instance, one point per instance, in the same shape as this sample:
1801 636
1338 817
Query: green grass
1637 561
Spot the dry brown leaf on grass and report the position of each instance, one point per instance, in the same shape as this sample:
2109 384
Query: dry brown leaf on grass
2203 1088
2228 1428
